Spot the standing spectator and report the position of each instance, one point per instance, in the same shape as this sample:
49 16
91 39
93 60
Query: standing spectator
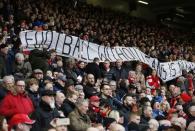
69 70
79 120
93 68
46 111
140 76
16 101
107 72
120 71
3 60
147 115
134 121
59 99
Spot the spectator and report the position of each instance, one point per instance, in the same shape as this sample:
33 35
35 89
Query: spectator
69 103
7 85
16 101
46 111
59 99
116 127
90 89
21 122
134 121
153 124
93 68
107 72
79 120
120 71
147 115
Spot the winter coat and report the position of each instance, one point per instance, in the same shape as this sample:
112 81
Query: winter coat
43 115
78 121
153 82
89 91
14 104
120 73
93 68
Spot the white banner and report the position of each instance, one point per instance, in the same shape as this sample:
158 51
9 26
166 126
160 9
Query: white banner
71 46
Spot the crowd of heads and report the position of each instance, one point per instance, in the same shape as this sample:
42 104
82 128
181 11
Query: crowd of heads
42 91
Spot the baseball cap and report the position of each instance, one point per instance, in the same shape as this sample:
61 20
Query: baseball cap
20 118
94 98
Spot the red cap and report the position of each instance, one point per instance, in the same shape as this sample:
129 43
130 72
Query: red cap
185 97
94 98
20 118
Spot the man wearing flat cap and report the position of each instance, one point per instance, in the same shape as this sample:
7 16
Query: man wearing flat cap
46 111
3 57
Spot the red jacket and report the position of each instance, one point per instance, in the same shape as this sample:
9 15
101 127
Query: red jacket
13 104
153 82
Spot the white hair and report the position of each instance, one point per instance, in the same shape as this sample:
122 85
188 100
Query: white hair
153 123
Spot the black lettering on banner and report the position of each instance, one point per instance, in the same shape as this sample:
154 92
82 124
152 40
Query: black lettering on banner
82 51
163 71
180 65
129 58
122 53
132 54
27 39
76 46
153 63
101 54
106 52
88 52
112 48
172 70
49 45
67 44
45 37
137 55
147 58
36 44
42 38
56 44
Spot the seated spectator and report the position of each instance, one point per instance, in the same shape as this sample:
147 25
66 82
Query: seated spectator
16 101
79 120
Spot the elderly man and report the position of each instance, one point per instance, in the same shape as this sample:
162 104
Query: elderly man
79 120
46 111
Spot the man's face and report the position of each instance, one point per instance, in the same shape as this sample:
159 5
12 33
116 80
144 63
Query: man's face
73 98
106 90
119 63
84 107
136 119
20 86
95 103
90 79
39 76
60 97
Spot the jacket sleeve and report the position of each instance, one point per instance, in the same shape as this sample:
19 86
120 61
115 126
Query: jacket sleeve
6 108
37 125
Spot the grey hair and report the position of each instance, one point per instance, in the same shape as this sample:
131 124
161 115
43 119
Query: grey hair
80 102
19 55
5 78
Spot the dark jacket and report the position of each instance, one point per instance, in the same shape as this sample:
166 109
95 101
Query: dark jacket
3 70
67 107
78 121
110 75
93 68
3 93
121 73
35 97
43 115
133 127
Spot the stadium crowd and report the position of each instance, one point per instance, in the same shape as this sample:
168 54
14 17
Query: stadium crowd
42 91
